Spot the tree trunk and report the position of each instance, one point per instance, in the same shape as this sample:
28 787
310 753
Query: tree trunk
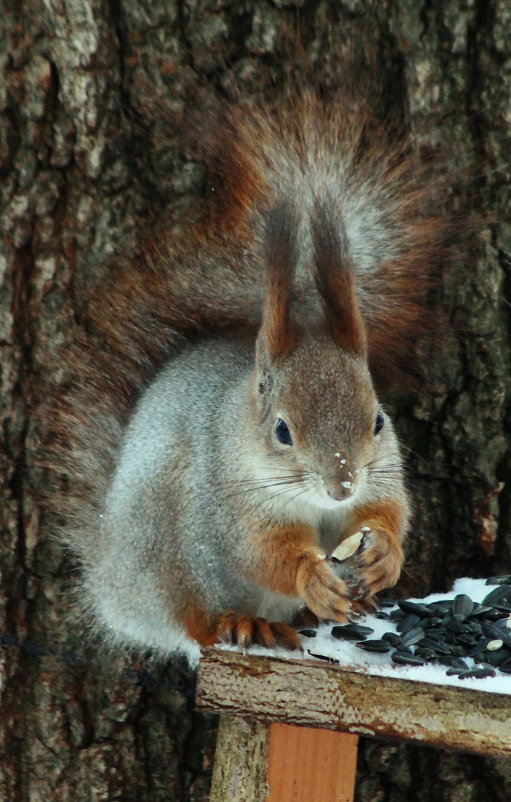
88 154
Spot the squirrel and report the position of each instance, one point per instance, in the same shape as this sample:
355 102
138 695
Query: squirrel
225 433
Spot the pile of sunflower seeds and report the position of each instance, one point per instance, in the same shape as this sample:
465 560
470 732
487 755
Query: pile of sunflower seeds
446 632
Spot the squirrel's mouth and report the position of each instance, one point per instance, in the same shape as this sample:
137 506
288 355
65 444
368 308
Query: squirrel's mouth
325 499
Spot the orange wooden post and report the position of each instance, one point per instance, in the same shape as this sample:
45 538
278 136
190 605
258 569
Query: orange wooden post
311 765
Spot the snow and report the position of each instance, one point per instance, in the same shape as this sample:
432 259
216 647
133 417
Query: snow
347 655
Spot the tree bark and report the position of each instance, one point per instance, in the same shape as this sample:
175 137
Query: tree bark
89 95
240 762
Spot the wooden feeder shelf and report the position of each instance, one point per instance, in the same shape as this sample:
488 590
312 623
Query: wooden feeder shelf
289 727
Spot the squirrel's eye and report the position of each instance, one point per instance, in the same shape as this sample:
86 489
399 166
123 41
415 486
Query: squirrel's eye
282 433
380 420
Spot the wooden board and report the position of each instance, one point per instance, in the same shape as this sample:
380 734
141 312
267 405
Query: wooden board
306 764
255 762
315 695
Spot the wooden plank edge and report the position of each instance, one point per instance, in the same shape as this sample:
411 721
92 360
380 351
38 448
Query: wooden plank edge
311 694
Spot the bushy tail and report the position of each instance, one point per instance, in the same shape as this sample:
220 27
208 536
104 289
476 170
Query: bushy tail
387 200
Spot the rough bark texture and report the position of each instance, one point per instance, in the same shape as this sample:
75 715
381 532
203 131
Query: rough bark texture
87 158
241 760
312 694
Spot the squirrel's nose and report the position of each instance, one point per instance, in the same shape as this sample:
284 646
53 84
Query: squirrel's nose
340 491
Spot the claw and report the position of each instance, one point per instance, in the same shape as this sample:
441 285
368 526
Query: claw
245 630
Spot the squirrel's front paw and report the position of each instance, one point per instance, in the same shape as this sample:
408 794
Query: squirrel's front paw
379 560
322 591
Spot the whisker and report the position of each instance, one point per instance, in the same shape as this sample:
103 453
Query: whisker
260 480
231 490
262 486
274 495
393 469
293 475
412 452
381 459
291 498
298 494
377 466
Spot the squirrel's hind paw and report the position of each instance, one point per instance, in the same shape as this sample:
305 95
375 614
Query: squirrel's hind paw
246 630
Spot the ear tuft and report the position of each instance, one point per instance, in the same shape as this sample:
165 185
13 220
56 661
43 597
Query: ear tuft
279 331
335 281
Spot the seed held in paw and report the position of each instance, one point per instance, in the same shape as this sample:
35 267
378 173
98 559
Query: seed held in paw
348 547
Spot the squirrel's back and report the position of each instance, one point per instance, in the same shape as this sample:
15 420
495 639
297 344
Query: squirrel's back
161 500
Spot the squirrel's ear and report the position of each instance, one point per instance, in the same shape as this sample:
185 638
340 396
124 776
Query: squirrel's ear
335 280
279 332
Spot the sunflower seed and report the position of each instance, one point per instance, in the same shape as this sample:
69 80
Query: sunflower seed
351 632
453 662
412 636
408 622
460 650
437 635
392 637
437 646
405 659
480 610
497 658
347 548
422 610
491 630
499 580
476 673
478 648
434 621
466 640
456 624
445 631
388 602
441 607
378 646
427 654
462 605
500 596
